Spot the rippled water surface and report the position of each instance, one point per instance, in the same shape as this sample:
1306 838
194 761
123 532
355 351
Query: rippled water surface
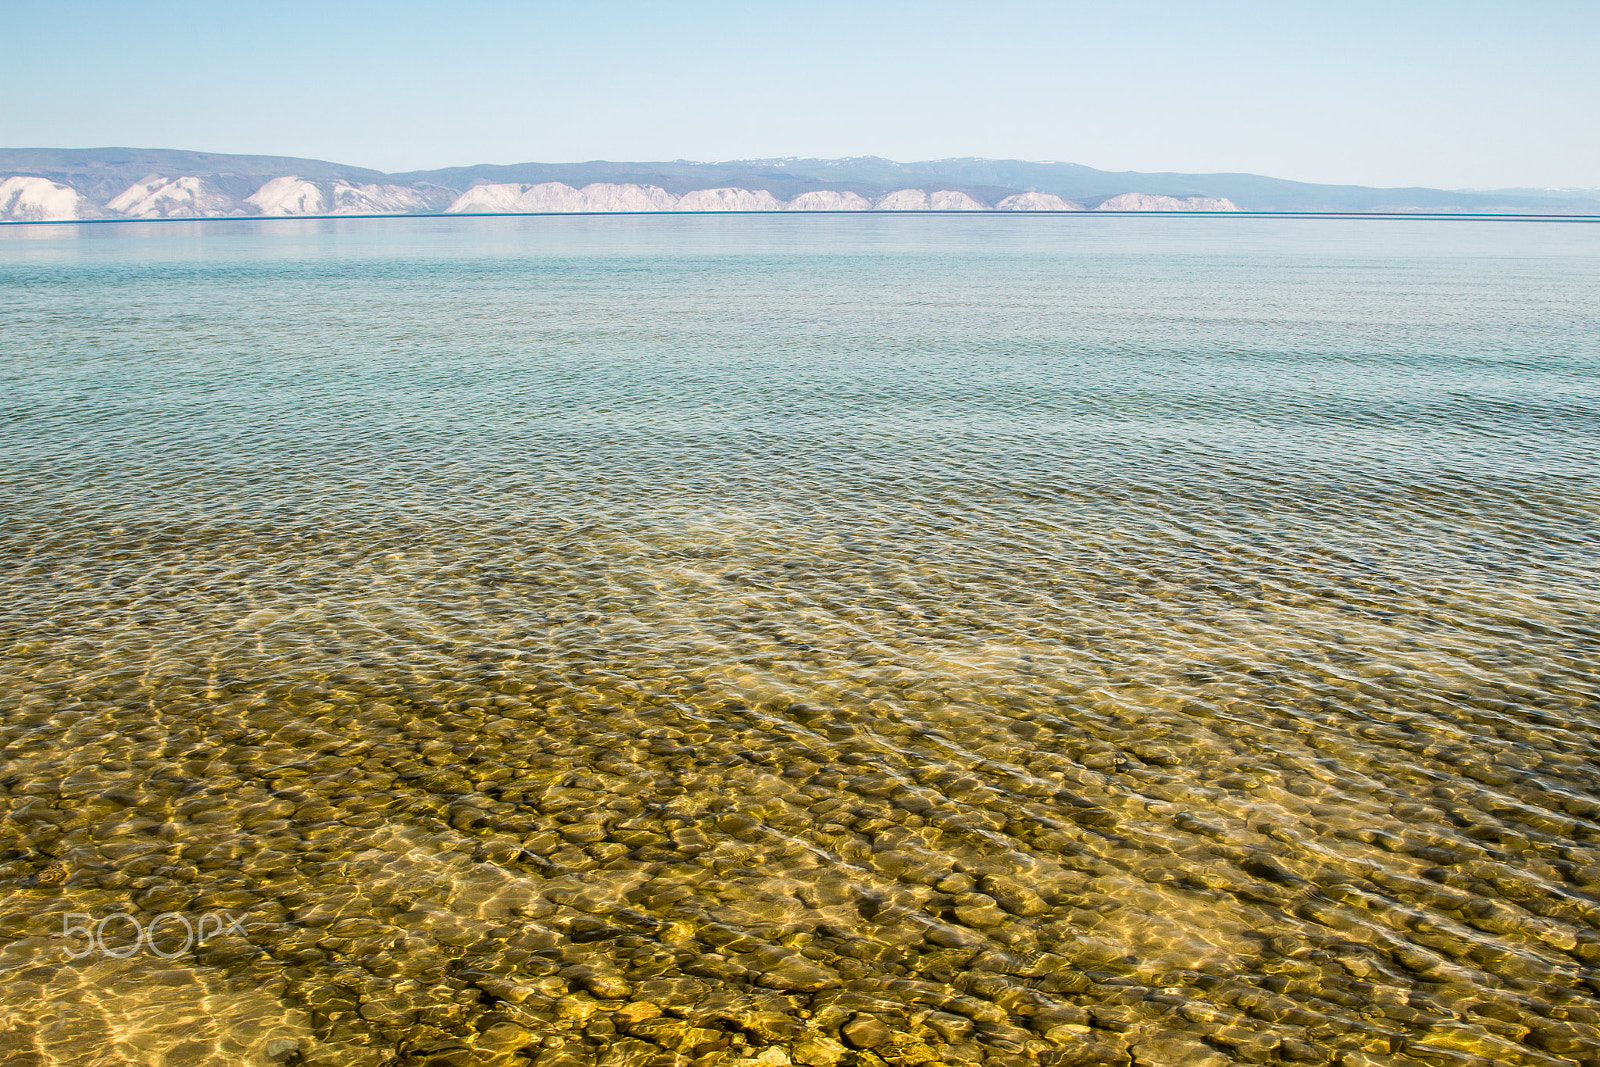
668 641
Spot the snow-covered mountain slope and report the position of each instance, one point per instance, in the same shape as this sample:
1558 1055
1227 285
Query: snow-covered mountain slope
288 195
560 197
492 197
158 197
35 197
551 196
947 200
29 199
1037 202
604 196
1145 202
350 199
728 200
903 200
829 200
1210 203
922 200
102 174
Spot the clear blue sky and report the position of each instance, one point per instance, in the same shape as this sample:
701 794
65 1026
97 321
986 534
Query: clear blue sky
1452 94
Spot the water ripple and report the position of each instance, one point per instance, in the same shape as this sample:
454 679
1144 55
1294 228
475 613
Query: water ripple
643 641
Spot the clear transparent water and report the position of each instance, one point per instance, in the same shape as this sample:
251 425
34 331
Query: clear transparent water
668 640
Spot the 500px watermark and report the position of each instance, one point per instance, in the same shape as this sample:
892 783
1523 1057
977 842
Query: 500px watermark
120 935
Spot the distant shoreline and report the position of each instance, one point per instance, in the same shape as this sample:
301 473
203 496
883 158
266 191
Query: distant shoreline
1443 216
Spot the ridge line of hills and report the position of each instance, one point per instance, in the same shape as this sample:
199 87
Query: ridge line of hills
38 184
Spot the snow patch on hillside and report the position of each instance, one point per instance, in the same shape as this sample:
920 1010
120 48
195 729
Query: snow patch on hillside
376 199
903 200
489 198
1037 202
165 198
24 198
948 200
288 195
829 200
604 196
157 197
551 196
560 197
1145 202
729 200
922 200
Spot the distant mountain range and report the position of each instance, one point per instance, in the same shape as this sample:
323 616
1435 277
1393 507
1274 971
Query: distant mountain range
43 184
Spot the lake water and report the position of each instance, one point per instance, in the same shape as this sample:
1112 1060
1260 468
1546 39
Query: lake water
831 640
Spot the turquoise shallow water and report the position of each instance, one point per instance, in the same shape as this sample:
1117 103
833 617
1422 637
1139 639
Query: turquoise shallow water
835 640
